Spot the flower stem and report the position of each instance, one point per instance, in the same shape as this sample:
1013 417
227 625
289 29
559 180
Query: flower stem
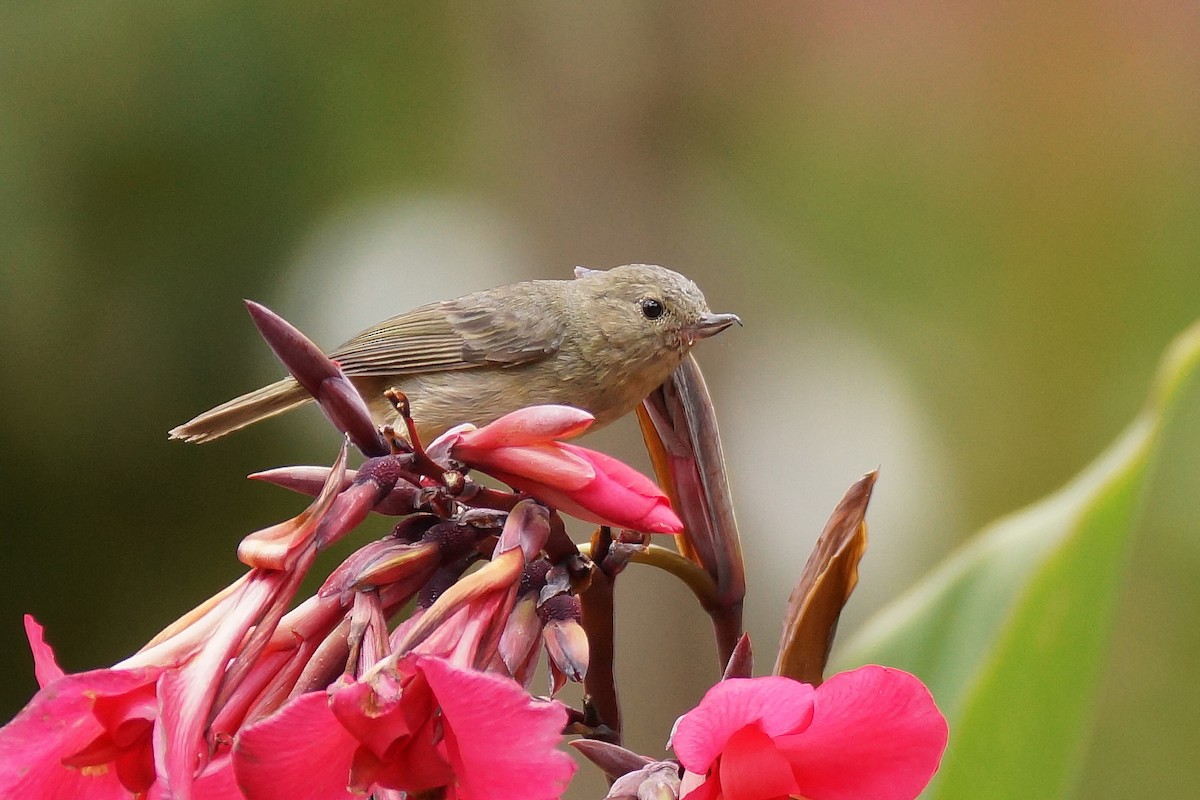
692 575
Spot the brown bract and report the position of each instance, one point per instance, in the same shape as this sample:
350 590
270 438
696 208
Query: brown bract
824 587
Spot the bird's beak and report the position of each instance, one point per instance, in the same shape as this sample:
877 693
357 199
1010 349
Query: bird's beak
710 325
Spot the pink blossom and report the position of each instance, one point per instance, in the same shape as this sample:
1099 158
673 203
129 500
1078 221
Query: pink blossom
82 737
869 734
425 725
521 449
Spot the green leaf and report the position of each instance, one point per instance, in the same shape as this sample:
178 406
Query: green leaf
1011 633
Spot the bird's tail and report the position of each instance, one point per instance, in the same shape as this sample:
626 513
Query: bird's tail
241 411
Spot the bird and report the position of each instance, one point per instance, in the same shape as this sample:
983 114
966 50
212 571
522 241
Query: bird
600 342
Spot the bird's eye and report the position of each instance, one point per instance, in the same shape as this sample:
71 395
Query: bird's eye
652 309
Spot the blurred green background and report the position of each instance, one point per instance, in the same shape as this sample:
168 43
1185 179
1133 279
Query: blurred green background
959 234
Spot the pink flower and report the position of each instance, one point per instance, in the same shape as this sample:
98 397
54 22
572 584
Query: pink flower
143 727
869 734
426 725
84 736
521 449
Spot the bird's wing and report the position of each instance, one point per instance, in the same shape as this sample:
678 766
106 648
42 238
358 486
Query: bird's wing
456 334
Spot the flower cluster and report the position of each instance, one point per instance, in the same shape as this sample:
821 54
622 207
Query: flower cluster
408 673
224 700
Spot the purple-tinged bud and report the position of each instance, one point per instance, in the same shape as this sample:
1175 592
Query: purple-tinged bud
657 781
320 377
533 577
403 498
413 527
374 480
518 642
612 759
348 510
379 563
527 527
453 540
560 608
441 582
386 471
566 641
303 480
679 426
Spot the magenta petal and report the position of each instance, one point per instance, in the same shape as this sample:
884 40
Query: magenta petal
45 666
777 705
751 768
299 753
617 472
374 721
57 723
661 519
217 782
69 784
624 495
503 744
875 732
531 425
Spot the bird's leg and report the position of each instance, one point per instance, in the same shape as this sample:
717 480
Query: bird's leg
423 463
395 442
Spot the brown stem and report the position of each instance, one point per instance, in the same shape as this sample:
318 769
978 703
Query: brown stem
596 602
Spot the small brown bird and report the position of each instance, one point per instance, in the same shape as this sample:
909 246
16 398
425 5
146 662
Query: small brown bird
601 342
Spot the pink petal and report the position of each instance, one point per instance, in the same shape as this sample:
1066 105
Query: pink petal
875 732
278 546
752 769
439 449
697 787
128 710
218 781
299 753
186 695
502 743
549 463
530 425
776 705
69 784
418 764
623 494
661 519
601 506
56 723
45 666
617 472
374 721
